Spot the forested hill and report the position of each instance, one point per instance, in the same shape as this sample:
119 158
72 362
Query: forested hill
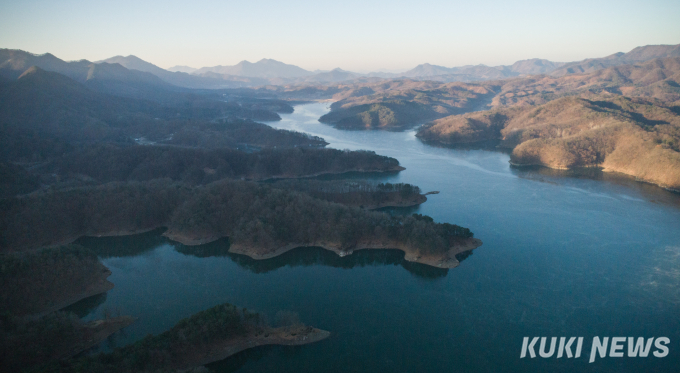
107 163
252 216
45 114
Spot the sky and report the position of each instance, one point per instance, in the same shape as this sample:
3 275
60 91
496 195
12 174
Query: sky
354 35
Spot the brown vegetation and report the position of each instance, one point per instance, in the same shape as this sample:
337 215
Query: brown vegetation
634 136
659 79
399 108
398 104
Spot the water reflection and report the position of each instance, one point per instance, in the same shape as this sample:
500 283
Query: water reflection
219 248
404 211
86 306
122 246
134 245
357 175
492 145
309 256
627 183
235 362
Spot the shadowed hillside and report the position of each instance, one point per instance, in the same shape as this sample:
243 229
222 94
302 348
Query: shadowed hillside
44 114
106 163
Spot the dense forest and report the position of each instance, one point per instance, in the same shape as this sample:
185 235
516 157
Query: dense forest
168 349
358 193
52 343
117 163
36 282
248 213
103 163
206 336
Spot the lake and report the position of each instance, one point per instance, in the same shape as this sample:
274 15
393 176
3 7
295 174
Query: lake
566 253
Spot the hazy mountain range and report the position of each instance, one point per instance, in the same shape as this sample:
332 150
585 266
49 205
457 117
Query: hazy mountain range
639 54
268 69
264 68
133 77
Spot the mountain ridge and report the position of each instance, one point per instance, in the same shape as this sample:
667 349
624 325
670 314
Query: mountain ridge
636 55
264 68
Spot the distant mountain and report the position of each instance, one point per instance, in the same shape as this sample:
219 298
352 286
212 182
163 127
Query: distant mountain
333 76
180 79
45 114
637 55
658 78
136 63
42 111
114 79
14 62
534 66
104 77
235 81
457 74
182 69
383 75
483 72
426 70
472 73
650 52
264 68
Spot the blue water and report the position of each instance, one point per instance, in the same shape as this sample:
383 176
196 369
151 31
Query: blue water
565 254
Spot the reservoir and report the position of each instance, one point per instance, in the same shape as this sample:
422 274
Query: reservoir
565 253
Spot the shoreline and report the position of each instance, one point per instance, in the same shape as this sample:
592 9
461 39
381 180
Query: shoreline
444 260
521 165
391 169
98 331
99 286
603 169
417 201
282 336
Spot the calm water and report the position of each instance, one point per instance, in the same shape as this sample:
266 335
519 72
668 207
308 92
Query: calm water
565 254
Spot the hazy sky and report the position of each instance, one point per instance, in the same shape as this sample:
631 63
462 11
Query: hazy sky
354 35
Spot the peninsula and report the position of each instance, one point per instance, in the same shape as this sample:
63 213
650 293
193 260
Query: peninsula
208 336
260 220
